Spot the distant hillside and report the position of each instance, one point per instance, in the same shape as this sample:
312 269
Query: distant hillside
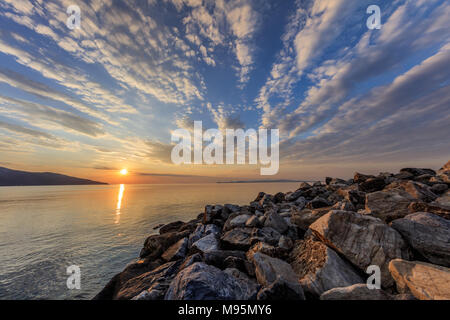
10 177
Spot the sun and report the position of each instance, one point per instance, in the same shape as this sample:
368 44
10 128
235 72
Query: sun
124 172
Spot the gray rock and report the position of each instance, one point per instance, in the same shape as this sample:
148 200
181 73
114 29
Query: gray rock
439 188
320 269
417 190
203 282
318 202
388 205
203 230
363 240
239 221
269 269
206 244
252 222
275 221
355 292
267 235
424 280
427 233
176 251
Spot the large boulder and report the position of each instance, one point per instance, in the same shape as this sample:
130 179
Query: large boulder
268 270
238 221
424 280
206 244
203 230
203 282
388 205
320 269
427 233
417 190
171 227
356 292
372 185
267 234
362 239
304 218
435 208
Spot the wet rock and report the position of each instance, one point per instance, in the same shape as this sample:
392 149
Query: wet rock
275 221
424 280
206 244
427 233
203 282
320 269
355 292
203 230
318 202
388 205
362 239
237 239
176 251
269 269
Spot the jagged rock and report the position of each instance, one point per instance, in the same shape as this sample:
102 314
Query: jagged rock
300 203
237 239
445 168
241 276
439 188
252 222
206 244
425 179
279 290
356 197
273 220
176 251
404 176
362 239
418 172
239 221
434 208
344 205
155 245
217 257
203 282
359 177
388 205
190 260
335 181
279 197
160 276
444 200
427 233
285 243
424 280
269 269
317 203
267 235
372 185
294 195
171 227
356 292
229 209
266 200
304 218
240 264
417 190
266 249
320 269
203 230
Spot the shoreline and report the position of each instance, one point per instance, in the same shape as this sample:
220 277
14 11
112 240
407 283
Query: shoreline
314 243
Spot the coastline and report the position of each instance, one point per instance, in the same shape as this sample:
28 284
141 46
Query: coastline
314 243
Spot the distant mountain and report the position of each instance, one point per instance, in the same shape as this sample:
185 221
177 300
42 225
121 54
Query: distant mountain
10 177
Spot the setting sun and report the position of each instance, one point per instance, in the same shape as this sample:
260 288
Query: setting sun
124 172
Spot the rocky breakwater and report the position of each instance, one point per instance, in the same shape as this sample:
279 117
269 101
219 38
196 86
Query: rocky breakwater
314 243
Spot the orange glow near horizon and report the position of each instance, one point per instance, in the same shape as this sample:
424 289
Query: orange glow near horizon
124 172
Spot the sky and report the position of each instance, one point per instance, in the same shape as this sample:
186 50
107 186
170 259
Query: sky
91 101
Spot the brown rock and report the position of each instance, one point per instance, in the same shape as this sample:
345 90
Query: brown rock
424 280
388 205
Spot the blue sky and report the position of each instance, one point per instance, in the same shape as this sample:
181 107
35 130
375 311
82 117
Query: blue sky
108 95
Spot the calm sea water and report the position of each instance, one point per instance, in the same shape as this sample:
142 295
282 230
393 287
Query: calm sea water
43 230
